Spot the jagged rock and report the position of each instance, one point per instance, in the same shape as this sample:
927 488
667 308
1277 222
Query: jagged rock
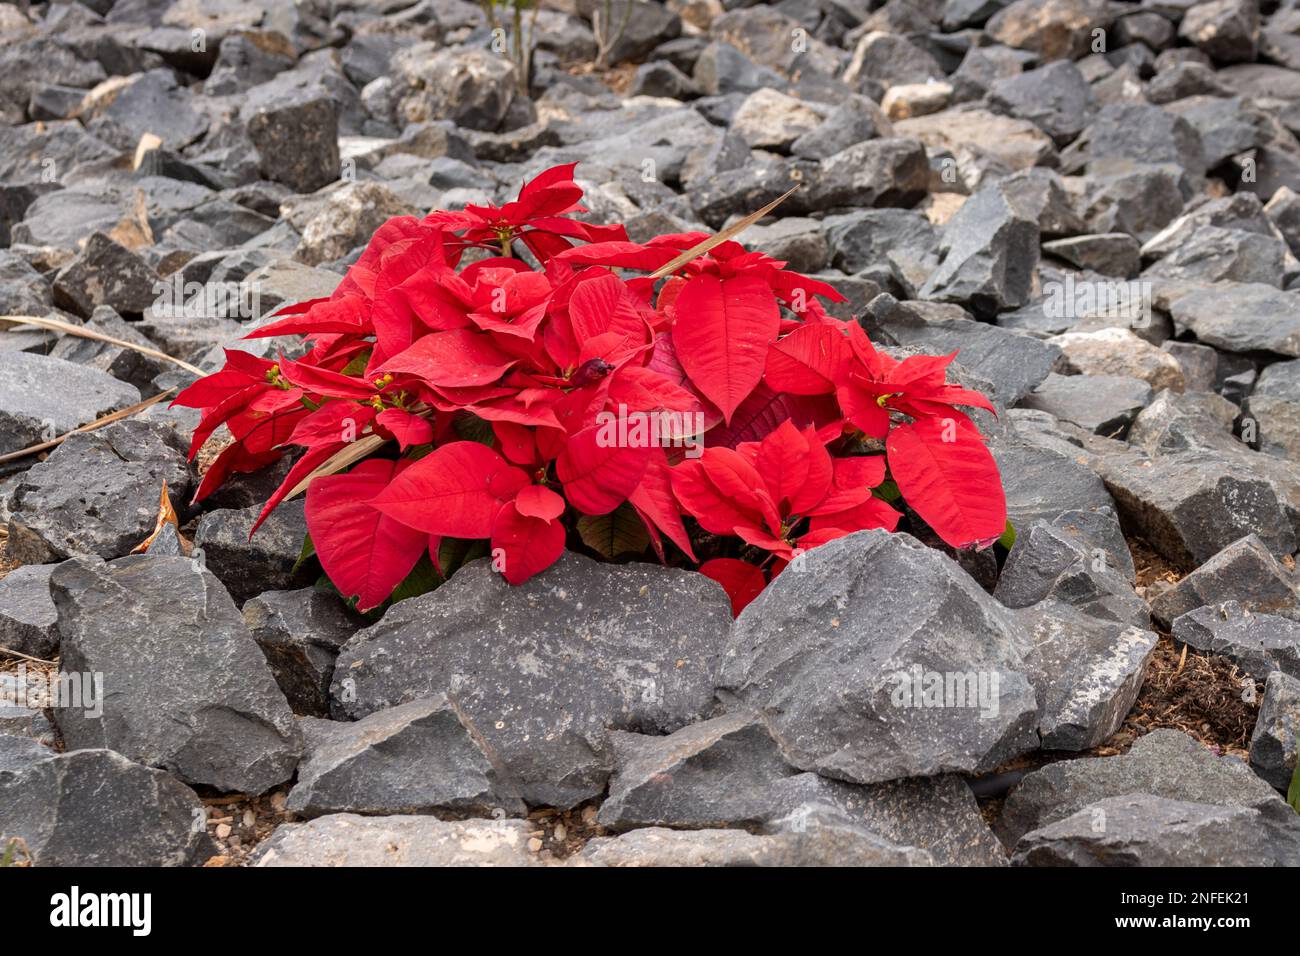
661 78
881 60
1091 672
877 172
28 623
1118 352
42 398
729 772
1079 558
592 648
345 839
796 241
852 122
1141 829
1191 505
1139 200
769 119
1164 763
301 633
97 493
415 758
988 252
1198 362
1197 421
348 219
296 134
126 365
1111 253
1054 29
1103 404
151 102
1226 30
1244 570
248 566
96 808
188 690
1273 744
1259 643
1241 317
900 240
473 88
1213 254
1056 98
983 141
1043 484
105 273
800 672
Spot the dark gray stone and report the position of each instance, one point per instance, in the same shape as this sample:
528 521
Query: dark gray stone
1103 404
185 688
1056 98
1244 571
1163 763
32 410
1273 744
97 494
249 566
1111 254
591 648
1043 484
296 135
1142 829
877 172
836 681
1259 643
28 622
1241 317
1225 30
97 808
105 273
301 633
420 757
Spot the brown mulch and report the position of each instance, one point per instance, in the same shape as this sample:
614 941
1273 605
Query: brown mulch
237 823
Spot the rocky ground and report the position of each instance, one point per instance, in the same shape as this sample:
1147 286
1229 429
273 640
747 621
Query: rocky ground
1096 203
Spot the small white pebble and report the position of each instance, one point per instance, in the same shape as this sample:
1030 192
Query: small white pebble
535 845
223 831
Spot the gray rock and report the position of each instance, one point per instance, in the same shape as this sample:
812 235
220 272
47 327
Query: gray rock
661 78
1163 763
1198 362
105 273
852 122
1226 30
1091 672
1198 421
821 845
152 102
27 616
1139 200
248 566
474 88
1214 254
987 255
1142 829
345 839
31 411
1191 505
1040 194
796 241
1055 30
96 808
1056 98
1244 571
1277 424
728 772
420 757
126 365
839 692
1044 484
1103 404
1259 643
544 670
97 493
1241 317
301 633
296 135
184 686
877 172
1273 744
1080 558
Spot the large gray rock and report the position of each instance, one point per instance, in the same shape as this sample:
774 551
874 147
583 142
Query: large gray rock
1244 571
1042 484
1241 317
1191 505
1226 30
28 622
1104 404
1199 421
1056 98
43 397
728 772
1142 829
96 808
546 669
471 87
877 172
419 757
838 653
97 494
296 134
1273 743
345 839
1080 558
1091 672
301 633
1164 763
185 687
105 273
1258 643
988 252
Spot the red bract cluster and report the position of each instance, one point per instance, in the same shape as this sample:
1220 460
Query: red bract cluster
445 400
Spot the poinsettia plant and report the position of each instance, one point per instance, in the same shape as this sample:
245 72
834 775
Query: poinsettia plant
462 395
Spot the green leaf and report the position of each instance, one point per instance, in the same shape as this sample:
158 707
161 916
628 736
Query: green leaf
617 533
1293 793
472 428
455 553
424 577
308 552
1008 539
887 490
357 366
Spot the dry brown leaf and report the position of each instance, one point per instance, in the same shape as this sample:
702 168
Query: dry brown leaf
718 239
166 516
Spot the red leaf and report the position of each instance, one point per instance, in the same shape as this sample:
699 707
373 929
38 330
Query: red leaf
808 361
741 580
408 429
950 479
598 477
535 501
365 553
527 544
455 490
721 335
653 499
453 358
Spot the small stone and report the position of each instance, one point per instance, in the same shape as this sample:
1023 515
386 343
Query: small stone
1102 404
105 273
1118 352
1244 571
1258 643
296 134
301 633
248 566
916 99
1111 253
1273 744
28 622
